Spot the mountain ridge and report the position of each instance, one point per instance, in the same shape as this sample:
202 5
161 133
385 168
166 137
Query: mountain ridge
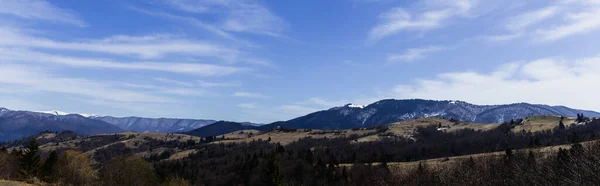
17 124
392 110
342 117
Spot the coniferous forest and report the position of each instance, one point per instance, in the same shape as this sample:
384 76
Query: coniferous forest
328 161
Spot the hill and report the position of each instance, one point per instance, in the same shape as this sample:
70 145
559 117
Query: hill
404 129
101 148
219 128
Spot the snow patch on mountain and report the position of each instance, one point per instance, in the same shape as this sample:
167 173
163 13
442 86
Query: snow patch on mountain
55 112
90 115
356 106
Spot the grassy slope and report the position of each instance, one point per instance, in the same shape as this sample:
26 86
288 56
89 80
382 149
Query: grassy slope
403 128
400 168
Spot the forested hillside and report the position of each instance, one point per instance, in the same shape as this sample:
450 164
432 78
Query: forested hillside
155 159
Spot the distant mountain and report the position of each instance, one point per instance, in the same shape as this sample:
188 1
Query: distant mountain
219 128
165 125
390 110
18 124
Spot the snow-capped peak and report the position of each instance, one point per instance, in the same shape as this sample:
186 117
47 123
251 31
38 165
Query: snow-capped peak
61 113
55 112
90 115
355 106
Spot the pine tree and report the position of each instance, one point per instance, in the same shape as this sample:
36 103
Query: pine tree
48 166
30 160
508 152
344 174
561 125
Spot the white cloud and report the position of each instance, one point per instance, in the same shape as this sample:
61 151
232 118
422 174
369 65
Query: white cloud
216 84
34 79
504 37
548 81
236 16
249 95
522 21
577 23
197 83
174 82
437 13
183 91
413 54
20 55
248 105
557 20
39 9
194 23
147 47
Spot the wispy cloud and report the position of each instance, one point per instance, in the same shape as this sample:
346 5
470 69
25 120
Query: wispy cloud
249 95
193 22
147 47
524 20
577 23
399 19
202 83
556 21
40 10
175 82
20 55
504 37
536 82
248 105
414 54
236 16
43 80
196 83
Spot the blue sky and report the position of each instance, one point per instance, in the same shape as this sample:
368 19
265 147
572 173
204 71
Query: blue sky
262 61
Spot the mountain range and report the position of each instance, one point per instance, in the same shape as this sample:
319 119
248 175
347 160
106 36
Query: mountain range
391 110
165 125
17 124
